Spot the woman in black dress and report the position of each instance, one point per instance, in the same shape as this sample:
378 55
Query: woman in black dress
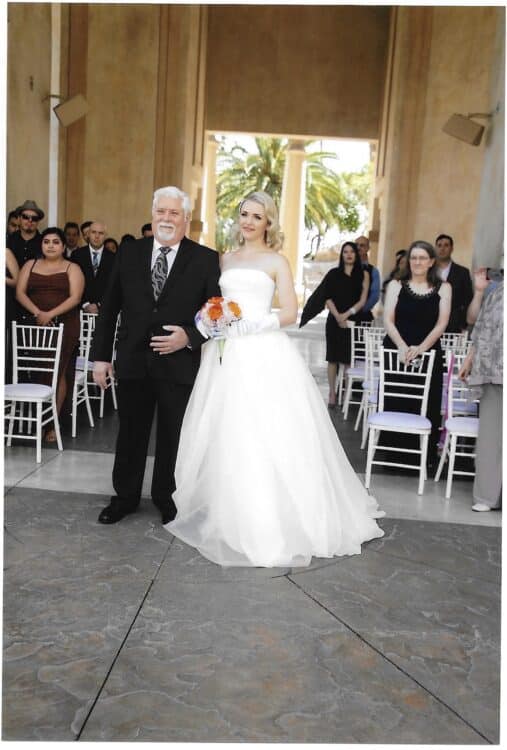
345 291
416 313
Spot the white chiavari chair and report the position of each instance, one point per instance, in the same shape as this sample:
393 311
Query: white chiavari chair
455 343
355 374
374 338
461 426
81 392
401 382
36 356
88 320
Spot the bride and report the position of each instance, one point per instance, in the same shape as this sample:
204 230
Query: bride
261 476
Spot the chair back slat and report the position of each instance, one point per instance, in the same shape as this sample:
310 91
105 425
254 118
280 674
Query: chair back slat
358 344
36 349
87 328
414 383
373 341
454 343
115 339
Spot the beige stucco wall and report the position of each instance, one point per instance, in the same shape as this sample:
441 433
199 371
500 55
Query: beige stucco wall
441 62
152 90
301 70
141 70
460 65
488 247
119 142
28 78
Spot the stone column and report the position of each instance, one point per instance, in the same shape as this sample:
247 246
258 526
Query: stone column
210 192
54 125
292 206
181 97
488 246
399 157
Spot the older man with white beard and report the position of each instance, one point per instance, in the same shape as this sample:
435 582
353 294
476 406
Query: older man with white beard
158 284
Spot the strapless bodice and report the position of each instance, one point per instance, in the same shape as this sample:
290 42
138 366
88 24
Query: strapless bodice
251 288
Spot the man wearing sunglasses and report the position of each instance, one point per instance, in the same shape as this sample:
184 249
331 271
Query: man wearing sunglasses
26 243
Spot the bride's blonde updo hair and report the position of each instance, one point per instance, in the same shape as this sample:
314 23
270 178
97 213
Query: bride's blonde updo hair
273 236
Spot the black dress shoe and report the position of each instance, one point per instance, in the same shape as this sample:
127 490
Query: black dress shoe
115 511
168 515
168 510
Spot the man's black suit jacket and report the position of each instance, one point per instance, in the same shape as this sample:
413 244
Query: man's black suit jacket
193 279
462 293
95 286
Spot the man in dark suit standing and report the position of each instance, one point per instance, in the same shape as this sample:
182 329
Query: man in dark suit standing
96 263
460 281
71 232
158 283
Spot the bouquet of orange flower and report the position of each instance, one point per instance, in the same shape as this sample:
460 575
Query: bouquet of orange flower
214 317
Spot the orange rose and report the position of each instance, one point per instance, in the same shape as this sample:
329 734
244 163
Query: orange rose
215 300
215 312
235 309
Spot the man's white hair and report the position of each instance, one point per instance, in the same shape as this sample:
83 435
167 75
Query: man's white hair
173 192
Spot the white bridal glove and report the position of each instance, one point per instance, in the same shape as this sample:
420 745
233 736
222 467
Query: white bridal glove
243 327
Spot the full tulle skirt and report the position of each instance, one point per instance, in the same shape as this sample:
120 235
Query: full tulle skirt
261 476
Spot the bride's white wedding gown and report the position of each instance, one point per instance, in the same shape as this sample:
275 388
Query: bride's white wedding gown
261 476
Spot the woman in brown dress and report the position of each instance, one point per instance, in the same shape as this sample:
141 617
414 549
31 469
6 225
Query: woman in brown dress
50 288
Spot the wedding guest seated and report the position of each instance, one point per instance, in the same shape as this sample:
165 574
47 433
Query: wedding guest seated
399 268
85 231
363 244
459 279
50 289
483 367
127 238
12 222
71 232
96 263
111 244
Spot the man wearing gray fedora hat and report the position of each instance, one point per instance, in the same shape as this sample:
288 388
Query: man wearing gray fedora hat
26 243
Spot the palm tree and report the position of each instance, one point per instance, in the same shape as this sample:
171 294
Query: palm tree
331 199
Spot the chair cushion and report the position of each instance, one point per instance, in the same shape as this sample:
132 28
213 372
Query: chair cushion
400 420
463 425
356 372
80 363
468 408
28 391
370 385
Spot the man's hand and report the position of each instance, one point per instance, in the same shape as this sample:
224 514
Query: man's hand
101 372
177 340
91 308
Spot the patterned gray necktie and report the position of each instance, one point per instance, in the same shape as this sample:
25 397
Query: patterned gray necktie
95 262
159 272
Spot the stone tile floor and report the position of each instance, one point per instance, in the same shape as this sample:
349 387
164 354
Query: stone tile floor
123 633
